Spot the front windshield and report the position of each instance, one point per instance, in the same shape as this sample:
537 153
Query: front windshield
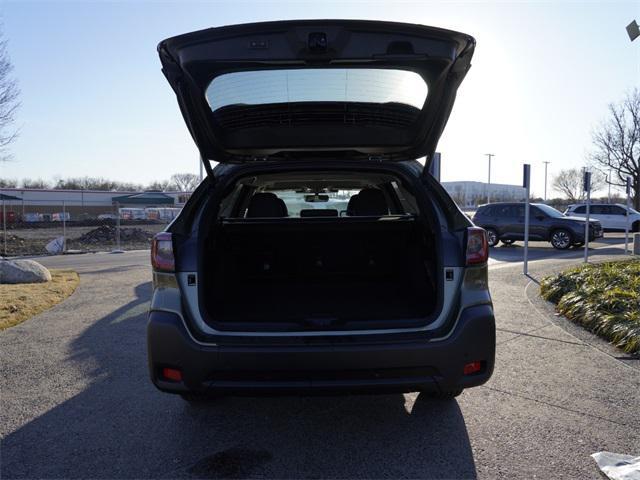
297 200
552 212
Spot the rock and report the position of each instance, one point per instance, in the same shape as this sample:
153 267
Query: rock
23 271
55 246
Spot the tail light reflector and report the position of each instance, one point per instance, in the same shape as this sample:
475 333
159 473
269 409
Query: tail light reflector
172 374
162 253
472 367
477 246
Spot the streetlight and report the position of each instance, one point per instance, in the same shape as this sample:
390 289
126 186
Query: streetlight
545 179
489 156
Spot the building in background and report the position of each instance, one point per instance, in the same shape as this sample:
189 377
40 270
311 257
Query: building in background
41 204
471 194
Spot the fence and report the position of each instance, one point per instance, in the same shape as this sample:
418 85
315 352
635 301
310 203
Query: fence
53 226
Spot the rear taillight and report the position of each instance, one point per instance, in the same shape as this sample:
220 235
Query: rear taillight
172 374
162 253
477 246
472 367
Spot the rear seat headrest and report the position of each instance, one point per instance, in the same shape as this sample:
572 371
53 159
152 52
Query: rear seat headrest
266 204
370 201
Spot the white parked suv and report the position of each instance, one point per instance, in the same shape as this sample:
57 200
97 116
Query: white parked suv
611 216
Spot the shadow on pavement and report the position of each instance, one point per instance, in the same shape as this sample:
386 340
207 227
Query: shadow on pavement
119 426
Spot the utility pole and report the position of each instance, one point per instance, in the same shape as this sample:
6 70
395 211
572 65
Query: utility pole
546 163
586 182
489 156
526 183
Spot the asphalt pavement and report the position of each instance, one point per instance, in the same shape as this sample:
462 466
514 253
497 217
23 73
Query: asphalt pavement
76 400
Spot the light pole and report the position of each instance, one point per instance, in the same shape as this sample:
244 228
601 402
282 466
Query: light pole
546 163
489 156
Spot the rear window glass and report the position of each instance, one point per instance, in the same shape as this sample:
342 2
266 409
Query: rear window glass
550 211
317 85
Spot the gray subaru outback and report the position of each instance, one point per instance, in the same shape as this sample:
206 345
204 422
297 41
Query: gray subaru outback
319 256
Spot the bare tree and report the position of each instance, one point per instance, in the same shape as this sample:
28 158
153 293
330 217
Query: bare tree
617 143
35 183
570 183
8 183
161 186
9 103
185 182
95 183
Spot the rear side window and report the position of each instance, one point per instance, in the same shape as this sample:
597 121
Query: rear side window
483 212
505 211
615 210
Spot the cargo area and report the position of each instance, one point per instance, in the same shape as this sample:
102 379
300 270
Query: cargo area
319 273
339 261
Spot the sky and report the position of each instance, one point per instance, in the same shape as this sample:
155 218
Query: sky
95 103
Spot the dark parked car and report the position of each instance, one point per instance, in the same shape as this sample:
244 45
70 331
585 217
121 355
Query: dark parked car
318 255
505 222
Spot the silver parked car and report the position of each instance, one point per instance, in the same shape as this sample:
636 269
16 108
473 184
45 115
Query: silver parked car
611 216
319 255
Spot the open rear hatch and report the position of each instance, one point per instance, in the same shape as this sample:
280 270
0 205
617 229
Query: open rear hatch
316 88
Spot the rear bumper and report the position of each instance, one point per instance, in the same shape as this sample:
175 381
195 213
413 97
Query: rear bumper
327 368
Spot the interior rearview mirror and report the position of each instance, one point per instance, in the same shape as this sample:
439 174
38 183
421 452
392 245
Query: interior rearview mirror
316 198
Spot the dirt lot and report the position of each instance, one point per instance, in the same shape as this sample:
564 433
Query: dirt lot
31 241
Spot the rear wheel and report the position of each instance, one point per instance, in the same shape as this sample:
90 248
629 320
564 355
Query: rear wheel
636 226
492 237
561 239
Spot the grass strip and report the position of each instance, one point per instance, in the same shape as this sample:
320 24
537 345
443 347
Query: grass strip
20 302
604 298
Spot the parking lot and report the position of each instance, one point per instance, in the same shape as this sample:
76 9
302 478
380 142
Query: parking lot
77 401
611 243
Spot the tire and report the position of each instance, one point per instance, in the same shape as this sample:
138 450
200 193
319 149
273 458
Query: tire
561 239
635 227
492 237
508 242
